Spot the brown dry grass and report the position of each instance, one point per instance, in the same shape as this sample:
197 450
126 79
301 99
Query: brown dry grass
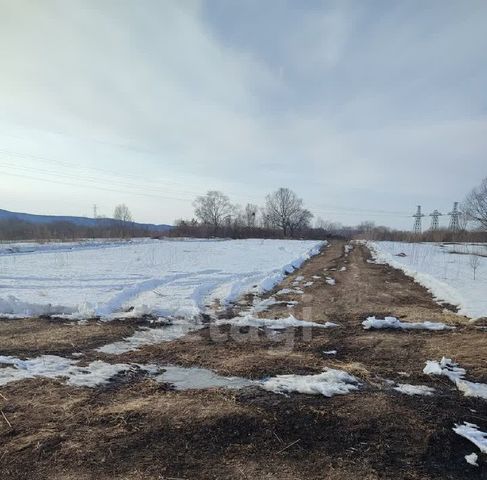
139 430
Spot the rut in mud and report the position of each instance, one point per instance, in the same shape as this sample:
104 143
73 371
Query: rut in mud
137 428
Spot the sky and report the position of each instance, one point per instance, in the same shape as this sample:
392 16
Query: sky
364 108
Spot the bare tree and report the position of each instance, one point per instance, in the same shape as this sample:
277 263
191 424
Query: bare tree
284 210
250 215
475 204
213 209
124 217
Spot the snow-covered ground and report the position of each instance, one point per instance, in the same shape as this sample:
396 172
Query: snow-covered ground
173 278
446 270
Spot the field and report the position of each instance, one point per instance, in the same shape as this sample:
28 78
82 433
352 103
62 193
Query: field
241 359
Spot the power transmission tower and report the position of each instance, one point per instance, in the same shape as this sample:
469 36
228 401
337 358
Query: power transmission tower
454 217
417 222
434 220
94 211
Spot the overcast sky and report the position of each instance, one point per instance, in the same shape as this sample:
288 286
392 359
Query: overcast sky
364 108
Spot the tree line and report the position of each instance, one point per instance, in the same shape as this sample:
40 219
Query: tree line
283 215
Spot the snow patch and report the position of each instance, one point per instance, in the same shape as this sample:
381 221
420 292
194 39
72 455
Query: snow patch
200 378
472 432
414 389
394 323
330 281
472 459
150 336
448 368
51 366
275 324
330 382
287 291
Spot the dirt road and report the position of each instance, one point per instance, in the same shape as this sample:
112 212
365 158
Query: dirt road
136 428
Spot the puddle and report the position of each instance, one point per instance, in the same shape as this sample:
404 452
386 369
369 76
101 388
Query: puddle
200 378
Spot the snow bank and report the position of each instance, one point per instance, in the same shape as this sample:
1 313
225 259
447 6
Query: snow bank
275 324
414 389
472 432
394 323
330 382
177 278
52 366
446 367
445 272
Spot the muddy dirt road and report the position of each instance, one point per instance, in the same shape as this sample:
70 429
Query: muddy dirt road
138 428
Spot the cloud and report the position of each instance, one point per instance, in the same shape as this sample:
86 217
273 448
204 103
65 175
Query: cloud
350 105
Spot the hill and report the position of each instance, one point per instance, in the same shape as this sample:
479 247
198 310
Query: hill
78 221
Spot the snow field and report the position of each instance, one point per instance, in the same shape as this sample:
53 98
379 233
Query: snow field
445 270
170 278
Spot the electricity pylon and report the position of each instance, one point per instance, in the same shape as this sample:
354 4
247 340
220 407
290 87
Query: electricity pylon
454 217
417 222
434 220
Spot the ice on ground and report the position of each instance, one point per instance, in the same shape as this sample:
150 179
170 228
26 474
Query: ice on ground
299 278
414 389
151 336
330 281
394 323
51 366
445 272
275 324
456 374
330 352
307 284
446 367
343 269
316 277
169 278
330 382
471 389
348 249
200 378
263 305
472 459
472 432
287 291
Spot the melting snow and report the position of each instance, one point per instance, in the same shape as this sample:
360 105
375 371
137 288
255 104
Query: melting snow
52 366
330 281
150 336
276 324
330 382
472 459
287 291
446 273
414 389
170 278
472 432
448 368
394 323
200 378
